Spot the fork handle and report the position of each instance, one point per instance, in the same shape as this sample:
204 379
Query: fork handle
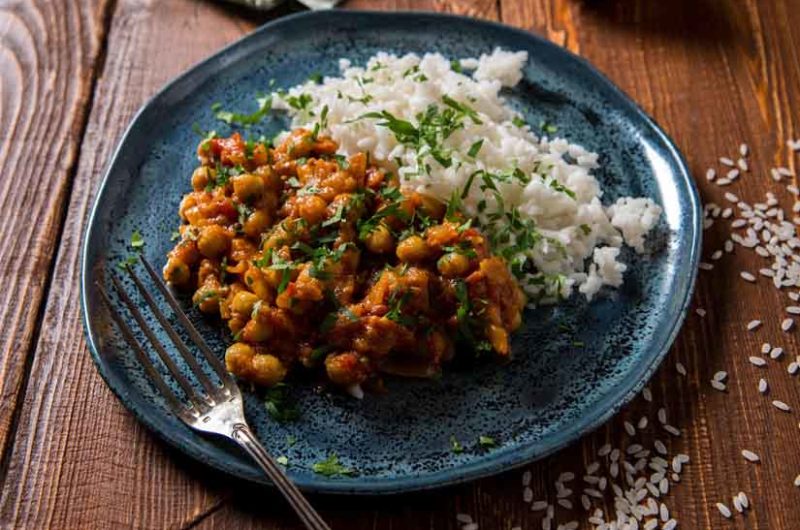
245 438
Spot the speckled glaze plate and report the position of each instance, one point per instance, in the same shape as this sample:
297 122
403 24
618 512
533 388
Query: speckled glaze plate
548 396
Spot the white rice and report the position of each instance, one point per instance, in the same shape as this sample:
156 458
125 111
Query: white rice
750 456
580 239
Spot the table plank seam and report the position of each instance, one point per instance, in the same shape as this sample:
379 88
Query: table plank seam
7 450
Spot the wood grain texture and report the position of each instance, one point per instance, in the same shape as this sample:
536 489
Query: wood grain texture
45 86
80 460
713 74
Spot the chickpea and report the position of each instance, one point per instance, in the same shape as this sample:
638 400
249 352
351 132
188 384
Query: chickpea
201 178
256 282
243 302
206 299
187 203
237 354
312 208
344 369
248 187
177 272
380 240
256 223
262 368
498 337
413 248
269 370
213 241
255 331
185 251
453 265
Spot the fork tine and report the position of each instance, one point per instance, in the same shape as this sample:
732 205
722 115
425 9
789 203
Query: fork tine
211 389
175 404
212 359
199 403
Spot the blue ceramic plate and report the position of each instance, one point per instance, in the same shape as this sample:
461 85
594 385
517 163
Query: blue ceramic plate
551 393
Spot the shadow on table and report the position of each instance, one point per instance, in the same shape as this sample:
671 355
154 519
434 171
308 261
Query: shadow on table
702 22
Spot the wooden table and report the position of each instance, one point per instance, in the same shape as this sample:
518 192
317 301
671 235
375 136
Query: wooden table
714 73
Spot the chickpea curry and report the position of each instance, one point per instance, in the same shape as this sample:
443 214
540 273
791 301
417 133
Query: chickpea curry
322 261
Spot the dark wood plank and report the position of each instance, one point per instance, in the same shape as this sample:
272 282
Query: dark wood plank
80 460
46 85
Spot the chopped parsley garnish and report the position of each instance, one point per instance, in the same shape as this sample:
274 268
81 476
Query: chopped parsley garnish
130 261
586 229
342 161
279 405
455 445
174 236
137 241
453 207
435 125
556 185
223 176
519 122
300 102
245 120
548 127
455 65
316 77
244 212
321 124
486 442
463 108
274 261
319 352
463 247
475 149
207 136
282 460
396 303
411 71
331 467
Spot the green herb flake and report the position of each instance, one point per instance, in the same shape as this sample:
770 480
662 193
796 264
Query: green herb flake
455 65
282 460
331 467
316 77
486 442
342 161
137 241
549 128
475 148
130 261
586 229
174 236
300 102
278 404
455 445
518 122
246 120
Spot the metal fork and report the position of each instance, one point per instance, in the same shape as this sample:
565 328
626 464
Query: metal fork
219 409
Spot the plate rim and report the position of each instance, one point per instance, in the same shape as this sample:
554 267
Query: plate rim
456 475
